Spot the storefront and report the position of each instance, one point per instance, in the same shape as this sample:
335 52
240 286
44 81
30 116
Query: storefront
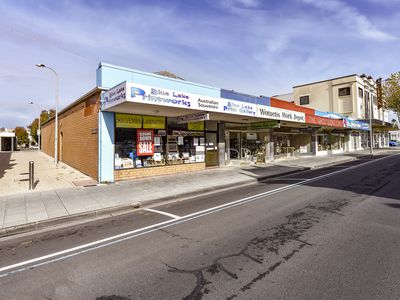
188 129
249 142
331 137
358 134
331 141
152 141
290 142
136 124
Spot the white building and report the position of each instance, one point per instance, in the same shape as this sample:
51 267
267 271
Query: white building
351 96
7 140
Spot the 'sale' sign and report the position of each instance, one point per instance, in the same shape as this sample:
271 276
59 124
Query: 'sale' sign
145 146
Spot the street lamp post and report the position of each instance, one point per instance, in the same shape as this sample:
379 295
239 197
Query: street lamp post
39 132
56 116
370 127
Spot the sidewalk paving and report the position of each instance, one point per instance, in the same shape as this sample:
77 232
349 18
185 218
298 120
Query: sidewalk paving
26 211
14 173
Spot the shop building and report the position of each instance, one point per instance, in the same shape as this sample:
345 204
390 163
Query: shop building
394 135
178 130
325 133
8 141
353 96
135 124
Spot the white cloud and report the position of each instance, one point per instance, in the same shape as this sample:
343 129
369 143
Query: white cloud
243 47
351 18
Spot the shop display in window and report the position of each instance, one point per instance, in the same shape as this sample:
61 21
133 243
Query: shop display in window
142 147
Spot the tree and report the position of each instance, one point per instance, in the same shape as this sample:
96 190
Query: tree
22 135
34 126
391 93
34 129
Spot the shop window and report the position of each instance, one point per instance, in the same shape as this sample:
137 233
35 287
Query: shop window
304 100
147 141
344 91
330 141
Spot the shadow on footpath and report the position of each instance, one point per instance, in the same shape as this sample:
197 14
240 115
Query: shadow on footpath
5 162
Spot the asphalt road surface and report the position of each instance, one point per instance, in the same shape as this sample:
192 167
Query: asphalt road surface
332 233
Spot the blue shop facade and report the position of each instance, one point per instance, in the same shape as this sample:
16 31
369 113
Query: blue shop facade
155 125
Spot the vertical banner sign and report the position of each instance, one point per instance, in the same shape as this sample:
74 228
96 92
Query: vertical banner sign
145 146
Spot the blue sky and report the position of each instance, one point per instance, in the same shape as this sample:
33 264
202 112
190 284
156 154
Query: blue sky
251 46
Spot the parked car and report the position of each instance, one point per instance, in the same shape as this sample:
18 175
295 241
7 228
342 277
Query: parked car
393 143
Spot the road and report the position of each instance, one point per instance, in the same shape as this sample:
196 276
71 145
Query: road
331 233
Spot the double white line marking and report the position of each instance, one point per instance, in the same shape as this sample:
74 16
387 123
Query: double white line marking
47 259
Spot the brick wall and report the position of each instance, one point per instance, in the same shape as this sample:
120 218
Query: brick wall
47 137
155 171
78 136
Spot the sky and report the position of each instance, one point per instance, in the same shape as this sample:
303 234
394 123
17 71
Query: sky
251 46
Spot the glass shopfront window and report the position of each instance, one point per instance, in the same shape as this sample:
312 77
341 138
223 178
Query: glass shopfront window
150 141
290 144
330 141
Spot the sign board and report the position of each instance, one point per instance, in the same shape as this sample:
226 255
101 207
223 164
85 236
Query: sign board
354 124
251 136
114 96
280 114
303 149
324 121
145 146
329 115
128 121
150 122
201 116
138 93
265 124
196 126
239 107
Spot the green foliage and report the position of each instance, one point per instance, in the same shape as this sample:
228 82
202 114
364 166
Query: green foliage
34 129
391 92
22 135
44 116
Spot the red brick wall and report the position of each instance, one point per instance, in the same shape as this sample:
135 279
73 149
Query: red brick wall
78 136
155 171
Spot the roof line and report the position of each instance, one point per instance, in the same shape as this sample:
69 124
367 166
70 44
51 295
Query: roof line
77 101
156 75
320 81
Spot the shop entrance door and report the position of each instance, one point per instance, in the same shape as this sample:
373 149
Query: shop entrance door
211 149
234 145
246 146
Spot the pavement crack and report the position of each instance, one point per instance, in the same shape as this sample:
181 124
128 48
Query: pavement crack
303 242
222 268
175 235
262 250
260 276
252 258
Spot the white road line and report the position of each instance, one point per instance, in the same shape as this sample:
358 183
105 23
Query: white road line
25 265
163 213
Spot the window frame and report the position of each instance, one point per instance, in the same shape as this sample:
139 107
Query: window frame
304 96
344 88
362 92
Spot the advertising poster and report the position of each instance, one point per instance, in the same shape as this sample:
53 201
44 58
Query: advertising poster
145 145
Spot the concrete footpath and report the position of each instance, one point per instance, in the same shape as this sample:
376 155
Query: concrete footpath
27 211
